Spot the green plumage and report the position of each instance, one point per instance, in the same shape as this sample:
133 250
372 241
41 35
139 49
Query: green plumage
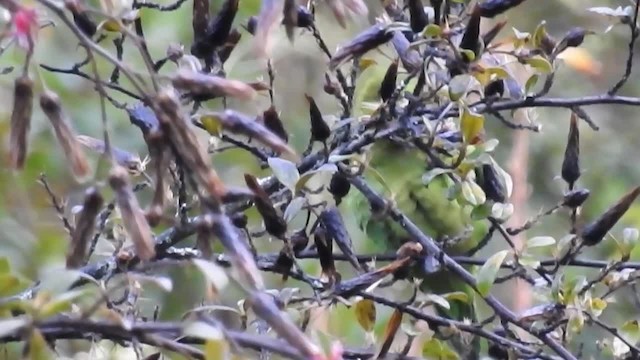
429 208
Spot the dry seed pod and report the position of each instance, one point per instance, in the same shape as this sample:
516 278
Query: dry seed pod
491 184
324 247
200 18
284 263
81 17
336 229
299 241
50 105
571 163
210 86
217 30
411 59
320 131
470 39
133 217
437 10
575 198
290 17
232 41
20 120
305 17
492 8
595 231
388 85
274 124
491 34
186 145
369 39
273 222
418 18
238 123
339 186
494 88
84 229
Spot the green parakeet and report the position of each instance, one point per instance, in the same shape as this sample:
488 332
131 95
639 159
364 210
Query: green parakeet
428 206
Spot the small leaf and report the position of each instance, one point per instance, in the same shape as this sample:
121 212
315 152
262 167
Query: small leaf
213 272
294 208
488 272
531 82
541 64
501 212
471 125
4 265
439 300
212 124
216 349
432 30
285 171
433 173
366 62
473 193
457 296
540 241
436 349
529 260
202 330
366 314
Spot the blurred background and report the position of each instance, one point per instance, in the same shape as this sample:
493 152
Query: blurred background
32 236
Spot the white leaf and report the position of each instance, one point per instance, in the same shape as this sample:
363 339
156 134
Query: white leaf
213 272
285 171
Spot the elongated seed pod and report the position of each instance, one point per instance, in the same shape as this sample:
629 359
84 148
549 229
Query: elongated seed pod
50 105
84 229
133 217
20 121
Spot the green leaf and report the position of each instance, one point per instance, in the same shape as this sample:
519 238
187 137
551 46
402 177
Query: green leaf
473 193
436 349
630 330
285 171
488 272
433 173
212 124
531 82
304 178
471 124
538 35
540 241
458 86
539 63
432 30
216 350
9 284
213 272
529 260
366 314
501 212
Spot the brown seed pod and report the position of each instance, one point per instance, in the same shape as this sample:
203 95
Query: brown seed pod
200 18
324 247
50 105
241 124
336 229
210 86
437 10
367 40
84 229
20 121
575 198
217 30
320 131
81 17
417 17
492 8
232 41
490 184
595 231
571 163
299 241
388 85
471 37
133 217
274 124
186 145
273 222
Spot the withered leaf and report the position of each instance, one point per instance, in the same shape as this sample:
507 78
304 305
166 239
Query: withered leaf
388 85
274 124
